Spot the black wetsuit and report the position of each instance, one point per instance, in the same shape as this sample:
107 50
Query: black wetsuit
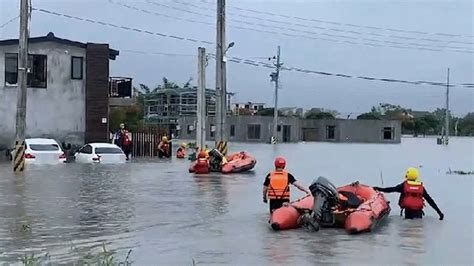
412 214
277 203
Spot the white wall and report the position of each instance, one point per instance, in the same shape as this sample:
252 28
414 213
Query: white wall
57 111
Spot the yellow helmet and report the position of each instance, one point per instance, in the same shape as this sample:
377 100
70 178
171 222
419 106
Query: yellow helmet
164 138
412 174
184 145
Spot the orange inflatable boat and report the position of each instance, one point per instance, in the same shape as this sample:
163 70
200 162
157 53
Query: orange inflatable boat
287 216
357 208
238 162
373 209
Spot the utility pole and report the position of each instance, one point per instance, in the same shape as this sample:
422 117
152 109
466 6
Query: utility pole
19 160
275 78
221 80
220 72
201 100
446 130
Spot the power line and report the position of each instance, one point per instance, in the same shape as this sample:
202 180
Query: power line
338 38
251 61
9 21
390 35
424 33
157 53
123 27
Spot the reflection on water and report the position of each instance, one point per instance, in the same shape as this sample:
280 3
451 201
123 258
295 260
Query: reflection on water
168 216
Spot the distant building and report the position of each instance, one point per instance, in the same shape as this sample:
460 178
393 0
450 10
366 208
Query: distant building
167 105
68 90
248 108
351 130
295 129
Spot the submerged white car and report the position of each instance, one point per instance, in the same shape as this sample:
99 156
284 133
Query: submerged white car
42 151
100 153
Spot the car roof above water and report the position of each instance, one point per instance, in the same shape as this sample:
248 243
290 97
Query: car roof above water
103 145
40 141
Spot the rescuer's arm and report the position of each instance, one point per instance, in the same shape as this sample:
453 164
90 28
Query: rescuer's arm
300 187
292 180
432 204
398 188
265 188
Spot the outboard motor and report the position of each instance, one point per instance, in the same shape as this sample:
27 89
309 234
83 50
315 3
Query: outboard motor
215 160
325 197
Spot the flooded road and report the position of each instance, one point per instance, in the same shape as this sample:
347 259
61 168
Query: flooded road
170 217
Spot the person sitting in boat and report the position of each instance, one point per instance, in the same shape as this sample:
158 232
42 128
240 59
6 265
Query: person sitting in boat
203 156
164 148
412 195
181 151
276 187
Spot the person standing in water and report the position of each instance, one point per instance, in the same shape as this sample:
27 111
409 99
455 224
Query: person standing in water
164 148
276 187
412 195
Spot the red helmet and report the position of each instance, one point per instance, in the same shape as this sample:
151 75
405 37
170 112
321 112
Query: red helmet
280 162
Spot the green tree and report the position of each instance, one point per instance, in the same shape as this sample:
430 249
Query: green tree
267 112
369 116
426 124
466 125
320 115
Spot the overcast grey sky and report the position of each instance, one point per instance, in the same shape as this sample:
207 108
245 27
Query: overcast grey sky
298 89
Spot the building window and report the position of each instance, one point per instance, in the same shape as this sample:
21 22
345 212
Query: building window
11 69
190 129
278 128
37 74
330 132
232 130
388 133
77 66
253 131
212 130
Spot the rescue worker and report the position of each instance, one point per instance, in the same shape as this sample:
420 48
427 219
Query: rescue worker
164 148
181 151
276 187
123 139
412 195
127 143
202 156
202 164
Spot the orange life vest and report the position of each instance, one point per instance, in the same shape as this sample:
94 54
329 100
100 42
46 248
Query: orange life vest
279 186
412 198
180 153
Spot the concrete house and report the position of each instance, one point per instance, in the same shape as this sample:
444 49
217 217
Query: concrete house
68 90
295 129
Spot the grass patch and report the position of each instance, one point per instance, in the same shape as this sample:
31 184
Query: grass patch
103 258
